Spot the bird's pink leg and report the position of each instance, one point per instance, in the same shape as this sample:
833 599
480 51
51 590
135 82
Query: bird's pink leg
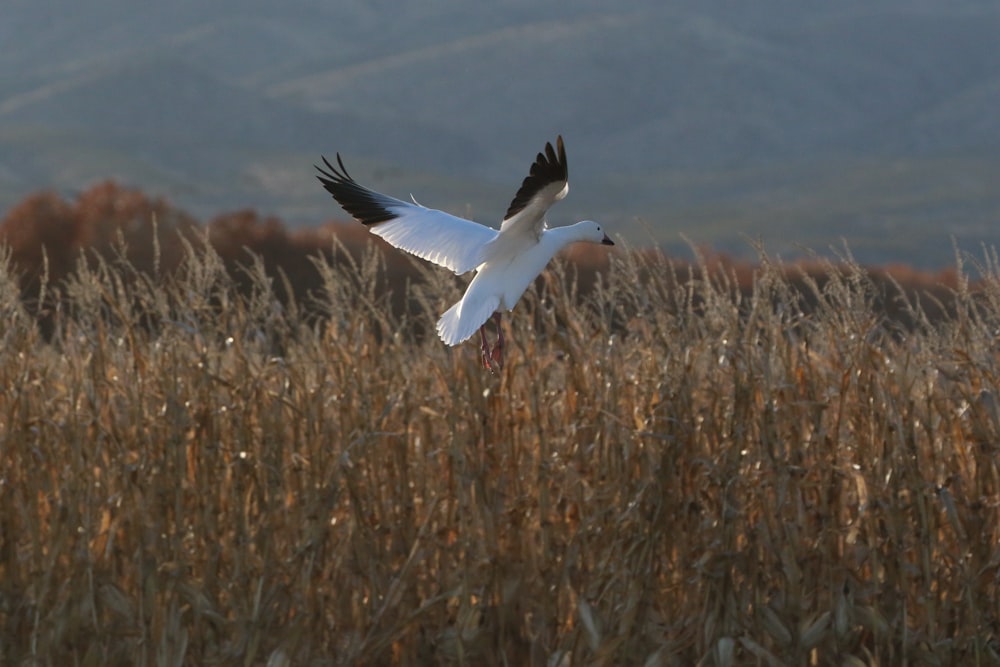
497 353
486 348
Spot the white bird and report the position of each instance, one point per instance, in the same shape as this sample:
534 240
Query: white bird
506 261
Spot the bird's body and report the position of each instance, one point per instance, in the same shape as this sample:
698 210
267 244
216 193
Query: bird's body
506 261
499 284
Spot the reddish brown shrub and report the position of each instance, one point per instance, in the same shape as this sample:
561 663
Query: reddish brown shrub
43 224
151 231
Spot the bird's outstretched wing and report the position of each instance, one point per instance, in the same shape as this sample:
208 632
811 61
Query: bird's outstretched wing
447 240
546 183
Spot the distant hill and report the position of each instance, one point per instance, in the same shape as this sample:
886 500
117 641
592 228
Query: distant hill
791 122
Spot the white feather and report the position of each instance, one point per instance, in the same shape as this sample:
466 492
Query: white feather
449 241
506 261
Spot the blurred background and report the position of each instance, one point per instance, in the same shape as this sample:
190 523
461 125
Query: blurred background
797 124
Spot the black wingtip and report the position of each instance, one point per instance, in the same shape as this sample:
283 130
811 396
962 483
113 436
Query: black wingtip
548 167
359 201
331 177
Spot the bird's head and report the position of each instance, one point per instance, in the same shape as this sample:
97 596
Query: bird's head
593 232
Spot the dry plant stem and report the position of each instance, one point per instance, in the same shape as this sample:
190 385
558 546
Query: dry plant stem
671 471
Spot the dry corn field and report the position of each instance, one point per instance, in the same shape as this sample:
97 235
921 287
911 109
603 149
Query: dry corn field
664 473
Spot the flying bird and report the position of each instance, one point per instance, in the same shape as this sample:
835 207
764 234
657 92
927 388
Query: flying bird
506 261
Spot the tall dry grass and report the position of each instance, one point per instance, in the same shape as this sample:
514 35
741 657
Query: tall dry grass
668 473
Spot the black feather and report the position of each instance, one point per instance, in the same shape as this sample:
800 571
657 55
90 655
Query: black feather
548 168
366 206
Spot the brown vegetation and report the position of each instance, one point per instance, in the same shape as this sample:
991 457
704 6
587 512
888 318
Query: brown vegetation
672 468
48 236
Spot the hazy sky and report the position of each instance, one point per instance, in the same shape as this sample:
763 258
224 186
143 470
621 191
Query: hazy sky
670 110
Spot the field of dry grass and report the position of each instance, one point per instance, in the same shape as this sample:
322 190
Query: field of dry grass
667 472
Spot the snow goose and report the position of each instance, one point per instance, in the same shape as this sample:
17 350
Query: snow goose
505 261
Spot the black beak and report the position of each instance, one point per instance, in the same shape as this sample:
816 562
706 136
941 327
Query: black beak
607 241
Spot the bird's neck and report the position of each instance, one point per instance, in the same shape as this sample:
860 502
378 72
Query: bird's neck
563 236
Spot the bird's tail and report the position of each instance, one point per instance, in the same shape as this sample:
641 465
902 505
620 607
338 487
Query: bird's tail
461 320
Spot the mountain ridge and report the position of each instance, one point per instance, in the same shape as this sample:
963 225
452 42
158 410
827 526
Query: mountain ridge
215 106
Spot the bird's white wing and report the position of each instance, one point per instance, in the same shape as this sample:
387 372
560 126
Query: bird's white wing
546 183
447 240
